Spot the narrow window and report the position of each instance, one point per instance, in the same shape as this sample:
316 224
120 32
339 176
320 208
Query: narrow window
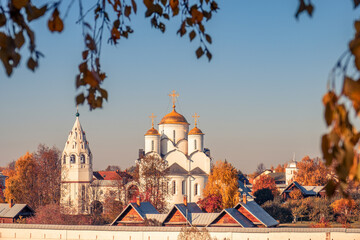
183 187
173 187
64 159
83 198
72 158
152 145
174 135
75 134
196 189
82 158
195 147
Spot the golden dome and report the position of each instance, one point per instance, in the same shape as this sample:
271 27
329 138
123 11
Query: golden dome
173 118
195 131
152 131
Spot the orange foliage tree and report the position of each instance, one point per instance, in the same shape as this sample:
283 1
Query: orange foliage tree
223 181
265 181
280 168
296 194
21 182
35 180
311 172
345 209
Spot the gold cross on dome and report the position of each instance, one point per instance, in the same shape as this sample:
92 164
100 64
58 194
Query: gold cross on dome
196 116
152 119
173 95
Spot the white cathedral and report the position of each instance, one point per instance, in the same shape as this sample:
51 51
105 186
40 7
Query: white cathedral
183 150
189 163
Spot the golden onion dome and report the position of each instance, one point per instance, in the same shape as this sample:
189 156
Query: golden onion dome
152 131
173 118
195 131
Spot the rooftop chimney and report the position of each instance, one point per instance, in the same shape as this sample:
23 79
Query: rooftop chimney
11 203
138 200
185 200
244 198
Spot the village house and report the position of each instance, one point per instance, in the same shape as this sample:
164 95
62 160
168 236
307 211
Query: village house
306 191
11 213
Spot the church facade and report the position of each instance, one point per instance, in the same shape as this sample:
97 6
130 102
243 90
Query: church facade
83 190
183 150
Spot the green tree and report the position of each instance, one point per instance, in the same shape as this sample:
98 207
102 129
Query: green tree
263 195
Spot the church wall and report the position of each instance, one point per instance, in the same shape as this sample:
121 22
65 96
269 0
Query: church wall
54 232
178 196
179 158
152 143
167 130
195 195
195 143
200 160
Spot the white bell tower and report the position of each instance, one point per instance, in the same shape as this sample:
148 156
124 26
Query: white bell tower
76 172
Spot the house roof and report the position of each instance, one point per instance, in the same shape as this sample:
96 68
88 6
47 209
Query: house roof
109 175
202 219
176 169
258 212
236 215
144 209
278 176
158 217
7 212
187 211
306 190
197 171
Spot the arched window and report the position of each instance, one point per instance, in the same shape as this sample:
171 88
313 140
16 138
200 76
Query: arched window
195 147
72 159
196 189
173 190
152 145
183 187
82 158
174 135
64 159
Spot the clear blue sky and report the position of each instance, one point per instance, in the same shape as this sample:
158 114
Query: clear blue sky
259 98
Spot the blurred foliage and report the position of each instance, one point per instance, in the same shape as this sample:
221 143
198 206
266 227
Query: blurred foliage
111 17
265 181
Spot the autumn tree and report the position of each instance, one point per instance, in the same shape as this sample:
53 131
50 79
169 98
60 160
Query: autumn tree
345 210
48 170
154 181
35 179
278 211
265 181
51 214
296 194
112 207
260 168
211 203
223 181
21 184
311 172
280 168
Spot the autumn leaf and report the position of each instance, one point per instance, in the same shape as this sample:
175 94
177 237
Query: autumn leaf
55 23
19 3
199 52
351 89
